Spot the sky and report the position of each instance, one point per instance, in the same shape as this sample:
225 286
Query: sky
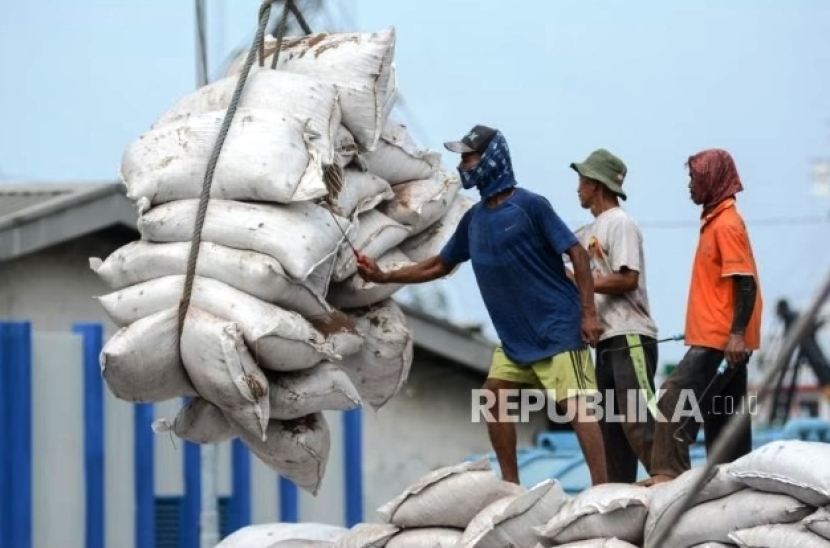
652 81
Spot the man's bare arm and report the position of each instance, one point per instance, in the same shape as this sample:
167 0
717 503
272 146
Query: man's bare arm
425 271
617 283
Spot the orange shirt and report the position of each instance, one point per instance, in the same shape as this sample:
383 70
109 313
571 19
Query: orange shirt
723 251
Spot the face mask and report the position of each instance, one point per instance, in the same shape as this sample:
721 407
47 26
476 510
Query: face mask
466 176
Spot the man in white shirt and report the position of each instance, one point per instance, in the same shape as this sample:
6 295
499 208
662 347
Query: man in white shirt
626 356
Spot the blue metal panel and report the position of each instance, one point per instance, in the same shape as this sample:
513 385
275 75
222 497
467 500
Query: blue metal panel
93 335
144 475
20 434
5 440
240 503
192 495
289 501
353 466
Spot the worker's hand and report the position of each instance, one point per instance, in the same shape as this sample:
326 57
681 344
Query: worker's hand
591 328
735 350
368 269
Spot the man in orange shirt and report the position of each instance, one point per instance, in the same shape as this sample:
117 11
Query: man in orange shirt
723 321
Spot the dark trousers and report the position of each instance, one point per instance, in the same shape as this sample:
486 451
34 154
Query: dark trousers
724 399
625 378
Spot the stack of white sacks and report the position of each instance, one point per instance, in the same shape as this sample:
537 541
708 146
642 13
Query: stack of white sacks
775 497
280 326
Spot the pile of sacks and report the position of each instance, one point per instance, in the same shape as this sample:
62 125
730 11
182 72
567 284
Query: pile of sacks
775 497
280 326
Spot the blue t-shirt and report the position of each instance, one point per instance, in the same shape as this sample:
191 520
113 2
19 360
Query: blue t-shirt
516 252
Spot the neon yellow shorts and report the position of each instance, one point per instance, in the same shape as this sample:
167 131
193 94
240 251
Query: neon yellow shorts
565 375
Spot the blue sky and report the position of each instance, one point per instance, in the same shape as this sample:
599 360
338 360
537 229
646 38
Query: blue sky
652 81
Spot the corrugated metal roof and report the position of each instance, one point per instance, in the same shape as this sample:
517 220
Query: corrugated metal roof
24 202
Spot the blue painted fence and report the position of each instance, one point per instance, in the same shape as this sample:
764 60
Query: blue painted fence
16 455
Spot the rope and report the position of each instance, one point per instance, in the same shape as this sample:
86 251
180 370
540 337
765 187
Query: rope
726 440
195 244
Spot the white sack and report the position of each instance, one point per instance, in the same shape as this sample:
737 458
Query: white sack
380 368
223 371
777 536
482 523
300 236
513 524
345 147
714 545
295 95
367 535
298 543
398 159
297 450
609 510
665 496
375 235
714 520
266 534
253 273
266 157
425 537
340 331
790 467
447 497
279 339
359 64
421 203
324 387
432 240
819 523
355 292
362 191
198 421
593 543
141 362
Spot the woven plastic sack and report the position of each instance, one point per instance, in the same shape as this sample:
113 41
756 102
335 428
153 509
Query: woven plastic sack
324 387
447 497
375 235
355 292
790 467
367 535
253 273
777 536
266 157
141 362
397 158
665 496
430 241
713 521
513 523
223 371
279 339
301 236
608 510
421 203
265 535
819 523
359 64
361 191
425 537
380 368
295 95
198 421
297 449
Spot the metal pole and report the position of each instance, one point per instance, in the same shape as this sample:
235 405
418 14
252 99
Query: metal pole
727 438
209 515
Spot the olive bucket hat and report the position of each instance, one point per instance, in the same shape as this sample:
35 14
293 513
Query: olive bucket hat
604 167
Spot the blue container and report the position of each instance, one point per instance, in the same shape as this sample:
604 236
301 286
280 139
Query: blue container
557 455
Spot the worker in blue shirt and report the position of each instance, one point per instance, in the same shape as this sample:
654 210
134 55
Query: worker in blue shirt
515 241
